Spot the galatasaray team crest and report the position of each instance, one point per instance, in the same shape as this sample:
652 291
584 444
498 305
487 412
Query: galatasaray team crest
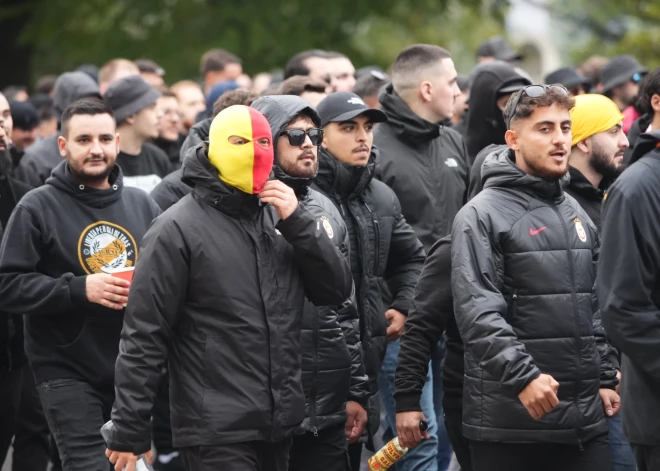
327 226
104 245
580 230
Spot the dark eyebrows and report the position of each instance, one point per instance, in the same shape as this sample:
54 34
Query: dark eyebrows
350 121
552 123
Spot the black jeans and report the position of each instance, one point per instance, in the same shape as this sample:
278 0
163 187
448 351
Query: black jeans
647 457
492 456
460 444
76 411
249 456
327 451
21 418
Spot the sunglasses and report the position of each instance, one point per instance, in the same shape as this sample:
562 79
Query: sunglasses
533 91
297 136
637 77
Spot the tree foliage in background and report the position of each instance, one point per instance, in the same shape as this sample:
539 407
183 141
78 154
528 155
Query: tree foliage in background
264 33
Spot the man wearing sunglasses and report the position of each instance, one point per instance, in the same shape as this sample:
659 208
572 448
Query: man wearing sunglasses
538 381
333 376
383 245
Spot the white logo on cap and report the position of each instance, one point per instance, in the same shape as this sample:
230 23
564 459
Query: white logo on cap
356 101
451 162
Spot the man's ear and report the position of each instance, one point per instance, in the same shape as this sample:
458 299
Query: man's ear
130 120
655 103
511 138
61 145
426 91
584 146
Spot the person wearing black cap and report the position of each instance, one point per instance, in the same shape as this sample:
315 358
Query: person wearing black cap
40 159
369 86
151 72
59 247
134 103
383 245
497 49
620 80
568 77
24 132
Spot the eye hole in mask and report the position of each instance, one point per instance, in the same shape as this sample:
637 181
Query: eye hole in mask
241 141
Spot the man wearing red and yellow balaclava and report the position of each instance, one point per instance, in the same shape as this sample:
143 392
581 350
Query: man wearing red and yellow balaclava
218 293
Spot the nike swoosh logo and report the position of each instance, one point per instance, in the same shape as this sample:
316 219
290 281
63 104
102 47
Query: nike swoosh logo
534 232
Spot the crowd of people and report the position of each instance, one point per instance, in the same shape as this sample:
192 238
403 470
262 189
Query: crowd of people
321 259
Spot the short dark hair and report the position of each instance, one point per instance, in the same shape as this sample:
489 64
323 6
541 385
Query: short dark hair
296 65
414 60
527 104
45 84
233 97
12 91
166 92
147 66
216 60
298 84
84 106
46 113
649 86
370 84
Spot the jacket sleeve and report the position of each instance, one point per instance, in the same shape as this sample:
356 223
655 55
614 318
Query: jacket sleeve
404 261
325 273
23 290
480 307
156 296
627 279
431 310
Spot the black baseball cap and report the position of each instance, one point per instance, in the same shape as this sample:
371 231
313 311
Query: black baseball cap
568 77
344 106
24 114
498 48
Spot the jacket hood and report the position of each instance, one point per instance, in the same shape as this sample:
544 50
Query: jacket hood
72 86
485 123
500 171
198 173
645 144
406 124
344 180
280 110
62 179
201 129
638 128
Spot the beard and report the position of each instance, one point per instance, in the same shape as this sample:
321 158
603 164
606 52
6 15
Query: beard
85 176
301 168
546 172
604 164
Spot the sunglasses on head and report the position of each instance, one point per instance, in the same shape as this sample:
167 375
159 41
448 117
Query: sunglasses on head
532 91
297 136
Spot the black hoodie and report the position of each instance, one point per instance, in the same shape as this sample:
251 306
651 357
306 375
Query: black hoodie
485 123
638 128
424 163
332 365
628 290
59 234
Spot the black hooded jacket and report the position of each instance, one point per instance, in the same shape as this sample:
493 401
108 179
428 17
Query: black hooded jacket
523 273
383 247
58 234
588 196
424 163
219 293
485 124
628 288
332 365
638 128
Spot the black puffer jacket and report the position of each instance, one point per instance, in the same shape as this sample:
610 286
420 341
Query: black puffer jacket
219 293
424 163
332 366
588 196
523 272
383 246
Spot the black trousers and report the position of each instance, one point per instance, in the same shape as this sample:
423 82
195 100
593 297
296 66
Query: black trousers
249 456
22 419
75 412
355 456
492 456
460 444
647 457
327 451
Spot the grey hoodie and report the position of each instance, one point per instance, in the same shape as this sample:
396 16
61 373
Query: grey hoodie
41 158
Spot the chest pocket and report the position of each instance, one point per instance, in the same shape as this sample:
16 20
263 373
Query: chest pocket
380 239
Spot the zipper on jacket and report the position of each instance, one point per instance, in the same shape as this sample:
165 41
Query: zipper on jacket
571 270
513 307
374 221
312 391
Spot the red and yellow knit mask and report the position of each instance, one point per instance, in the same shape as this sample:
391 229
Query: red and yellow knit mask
241 148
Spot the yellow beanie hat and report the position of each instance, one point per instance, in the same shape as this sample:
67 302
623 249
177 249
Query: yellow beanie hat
593 114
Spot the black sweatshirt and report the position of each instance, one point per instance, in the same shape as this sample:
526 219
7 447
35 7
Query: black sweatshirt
145 170
59 234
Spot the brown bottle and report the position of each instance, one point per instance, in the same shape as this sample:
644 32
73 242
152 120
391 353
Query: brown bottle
390 453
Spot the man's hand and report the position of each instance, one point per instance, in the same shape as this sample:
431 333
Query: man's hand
280 196
611 402
355 422
407 428
397 323
107 290
618 386
125 460
540 396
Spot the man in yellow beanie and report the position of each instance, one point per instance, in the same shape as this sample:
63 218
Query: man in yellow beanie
597 151
218 293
